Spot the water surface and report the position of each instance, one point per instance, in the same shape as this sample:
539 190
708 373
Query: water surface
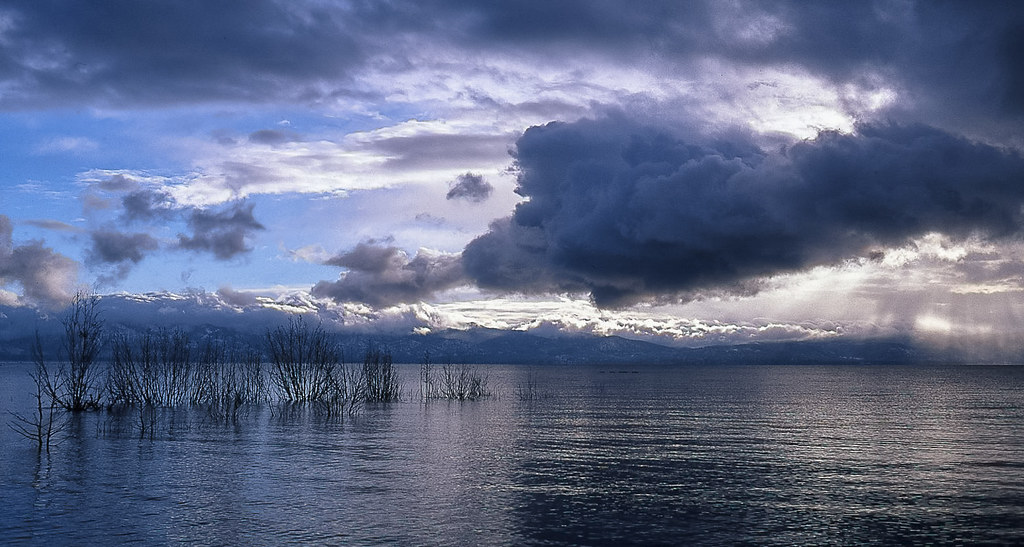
603 455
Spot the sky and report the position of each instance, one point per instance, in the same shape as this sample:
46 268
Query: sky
689 172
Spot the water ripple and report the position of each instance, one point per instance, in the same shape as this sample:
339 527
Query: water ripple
732 455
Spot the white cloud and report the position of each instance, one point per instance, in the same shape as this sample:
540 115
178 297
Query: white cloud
568 315
408 153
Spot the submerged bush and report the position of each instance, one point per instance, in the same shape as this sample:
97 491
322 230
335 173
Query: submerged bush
231 383
462 382
379 377
302 361
76 384
161 370
528 389
455 382
165 370
306 367
154 369
428 383
48 417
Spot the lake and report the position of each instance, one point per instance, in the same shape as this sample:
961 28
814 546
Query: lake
602 455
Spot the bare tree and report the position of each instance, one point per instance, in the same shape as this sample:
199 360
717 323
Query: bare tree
428 383
528 389
78 385
48 417
462 382
156 368
380 377
347 391
230 381
303 361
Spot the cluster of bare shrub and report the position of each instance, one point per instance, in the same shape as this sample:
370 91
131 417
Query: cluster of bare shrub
459 382
165 369
307 367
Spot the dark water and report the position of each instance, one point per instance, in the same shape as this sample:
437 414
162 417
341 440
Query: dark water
709 455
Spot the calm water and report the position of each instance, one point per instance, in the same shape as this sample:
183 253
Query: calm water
713 455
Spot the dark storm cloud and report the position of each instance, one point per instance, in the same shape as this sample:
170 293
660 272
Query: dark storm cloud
953 60
470 187
382 275
597 25
109 246
46 277
629 212
224 232
371 257
122 51
960 63
965 56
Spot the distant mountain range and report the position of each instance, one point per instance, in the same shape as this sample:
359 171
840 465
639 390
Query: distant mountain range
514 347
207 318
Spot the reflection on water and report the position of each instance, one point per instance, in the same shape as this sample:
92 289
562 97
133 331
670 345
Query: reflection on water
781 455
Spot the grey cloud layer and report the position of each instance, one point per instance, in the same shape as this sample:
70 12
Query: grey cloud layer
171 51
628 212
956 61
146 205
